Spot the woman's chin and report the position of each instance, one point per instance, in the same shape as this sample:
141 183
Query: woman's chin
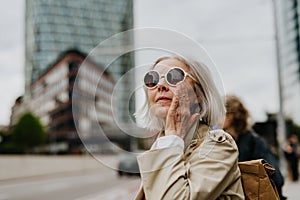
162 112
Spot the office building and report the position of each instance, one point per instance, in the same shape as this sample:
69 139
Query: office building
56 26
59 36
289 47
66 111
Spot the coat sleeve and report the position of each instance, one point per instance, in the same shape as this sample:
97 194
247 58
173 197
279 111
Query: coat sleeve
209 171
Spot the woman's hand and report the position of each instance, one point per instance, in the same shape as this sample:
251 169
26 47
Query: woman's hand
179 118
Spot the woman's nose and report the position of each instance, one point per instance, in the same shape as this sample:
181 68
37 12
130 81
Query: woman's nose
162 85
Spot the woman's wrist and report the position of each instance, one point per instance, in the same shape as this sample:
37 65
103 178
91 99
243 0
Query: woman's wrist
173 132
169 141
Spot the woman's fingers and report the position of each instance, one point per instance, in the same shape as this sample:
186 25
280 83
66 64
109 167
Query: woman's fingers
179 118
194 118
170 127
183 98
183 109
173 107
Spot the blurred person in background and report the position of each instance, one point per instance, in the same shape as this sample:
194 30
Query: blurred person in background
251 146
188 160
292 157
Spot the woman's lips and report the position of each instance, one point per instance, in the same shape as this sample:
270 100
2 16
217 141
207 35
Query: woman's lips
163 98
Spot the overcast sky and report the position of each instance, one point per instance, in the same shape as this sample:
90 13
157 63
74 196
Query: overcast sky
237 34
11 55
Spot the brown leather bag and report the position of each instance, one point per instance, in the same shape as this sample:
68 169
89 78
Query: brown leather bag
256 181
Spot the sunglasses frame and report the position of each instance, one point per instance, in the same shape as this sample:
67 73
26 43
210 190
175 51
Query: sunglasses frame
164 76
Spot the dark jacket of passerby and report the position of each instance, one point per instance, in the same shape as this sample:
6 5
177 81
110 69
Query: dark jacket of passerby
251 146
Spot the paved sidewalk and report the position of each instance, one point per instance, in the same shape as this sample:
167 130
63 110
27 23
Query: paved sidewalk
291 189
126 191
23 166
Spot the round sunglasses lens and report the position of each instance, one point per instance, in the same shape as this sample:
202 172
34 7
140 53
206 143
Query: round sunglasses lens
175 75
151 79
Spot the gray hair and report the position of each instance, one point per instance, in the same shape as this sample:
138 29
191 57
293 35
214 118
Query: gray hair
212 108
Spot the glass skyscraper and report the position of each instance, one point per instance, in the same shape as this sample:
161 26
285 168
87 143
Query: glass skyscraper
59 25
289 46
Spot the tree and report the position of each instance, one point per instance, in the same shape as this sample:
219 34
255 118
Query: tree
28 132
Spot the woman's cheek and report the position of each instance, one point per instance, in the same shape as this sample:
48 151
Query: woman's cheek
151 97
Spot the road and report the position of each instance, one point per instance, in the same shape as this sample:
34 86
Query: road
89 185
91 181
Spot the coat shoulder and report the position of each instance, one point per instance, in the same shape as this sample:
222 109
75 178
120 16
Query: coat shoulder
220 136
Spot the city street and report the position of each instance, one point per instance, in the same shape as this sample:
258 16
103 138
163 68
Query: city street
95 184
70 177
291 190
87 86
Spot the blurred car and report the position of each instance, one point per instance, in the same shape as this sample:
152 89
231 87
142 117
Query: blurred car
128 164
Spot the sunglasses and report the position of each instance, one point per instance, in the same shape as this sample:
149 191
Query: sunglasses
172 77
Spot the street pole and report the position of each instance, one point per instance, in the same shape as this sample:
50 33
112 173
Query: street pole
281 129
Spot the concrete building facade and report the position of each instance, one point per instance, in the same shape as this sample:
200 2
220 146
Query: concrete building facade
56 26
61 109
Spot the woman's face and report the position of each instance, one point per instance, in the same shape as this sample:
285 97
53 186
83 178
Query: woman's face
160 97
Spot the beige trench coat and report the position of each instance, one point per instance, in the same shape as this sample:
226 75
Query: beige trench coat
208 169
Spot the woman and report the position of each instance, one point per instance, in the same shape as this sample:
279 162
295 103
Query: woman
292 157
251 146
188 160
